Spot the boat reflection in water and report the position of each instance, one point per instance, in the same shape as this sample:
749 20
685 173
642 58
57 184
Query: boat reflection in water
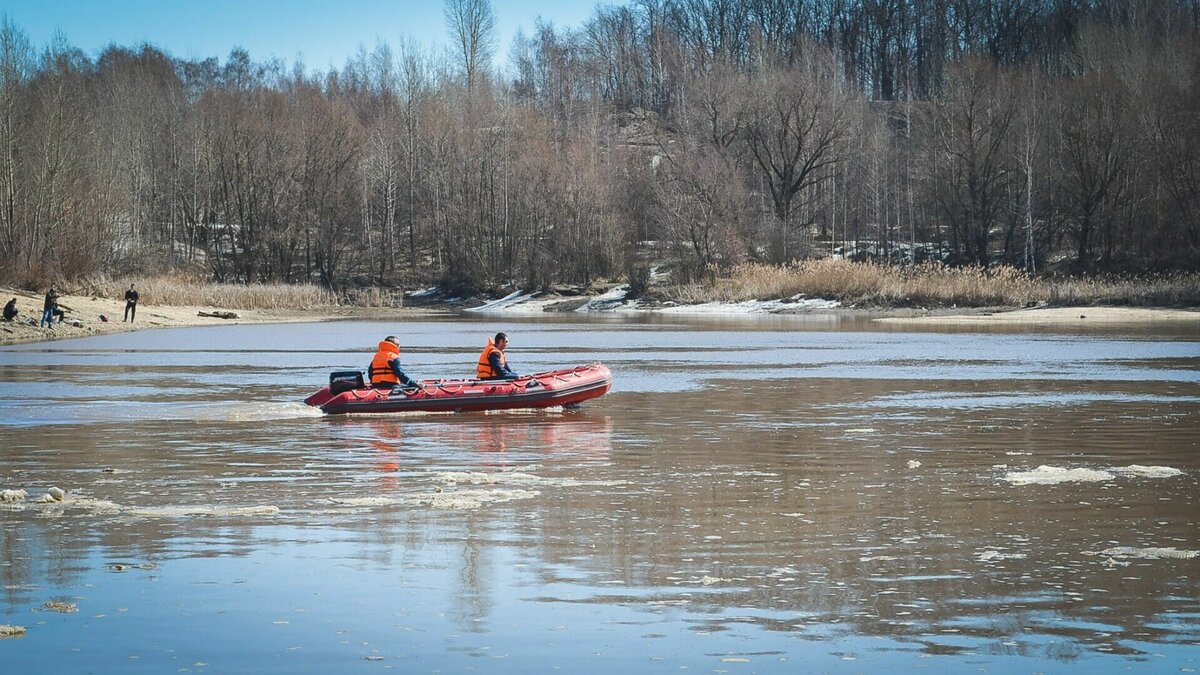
480 441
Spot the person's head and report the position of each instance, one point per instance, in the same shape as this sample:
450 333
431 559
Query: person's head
392 339
501 340
131 287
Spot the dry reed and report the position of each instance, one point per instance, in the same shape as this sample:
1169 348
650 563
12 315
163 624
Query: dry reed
178 290
934 285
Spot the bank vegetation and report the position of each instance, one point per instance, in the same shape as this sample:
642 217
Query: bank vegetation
727 141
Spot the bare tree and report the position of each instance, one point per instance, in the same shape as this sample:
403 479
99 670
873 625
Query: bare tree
971 170
798 119
16 68
472 25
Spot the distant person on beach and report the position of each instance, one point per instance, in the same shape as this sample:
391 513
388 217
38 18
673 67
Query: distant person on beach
131 300
48 308
385 367
492 363
10 310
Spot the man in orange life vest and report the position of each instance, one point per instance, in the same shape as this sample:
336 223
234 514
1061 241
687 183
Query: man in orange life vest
385 368
492 364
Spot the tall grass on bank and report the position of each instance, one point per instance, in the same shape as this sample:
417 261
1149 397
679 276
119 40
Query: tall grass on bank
933 285
174 290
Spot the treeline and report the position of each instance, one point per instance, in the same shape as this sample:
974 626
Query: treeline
1045 134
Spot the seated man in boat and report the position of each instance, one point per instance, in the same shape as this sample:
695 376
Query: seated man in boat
492 364
385 370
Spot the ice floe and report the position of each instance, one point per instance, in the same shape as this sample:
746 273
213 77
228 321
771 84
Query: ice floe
1148 471
1053 475
994 555
213 511
1148 553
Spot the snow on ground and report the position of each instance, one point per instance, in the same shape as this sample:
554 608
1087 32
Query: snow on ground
611 301
616 300
753 306
1053 475
503 303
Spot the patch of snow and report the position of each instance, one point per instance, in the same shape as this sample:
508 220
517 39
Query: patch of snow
612 300
499 305
753 306
424 292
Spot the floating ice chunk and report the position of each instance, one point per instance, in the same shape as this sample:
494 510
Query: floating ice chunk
1053 475
13 495
59 606
364 501
992 555
469 499
183 511
8 630
1151 553
1148 471
914 464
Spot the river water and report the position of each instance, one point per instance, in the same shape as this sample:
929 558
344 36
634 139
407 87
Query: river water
755 495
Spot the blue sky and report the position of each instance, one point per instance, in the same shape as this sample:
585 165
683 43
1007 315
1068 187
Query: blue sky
325 32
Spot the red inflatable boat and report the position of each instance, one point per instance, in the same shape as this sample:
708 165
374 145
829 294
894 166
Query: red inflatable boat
567 387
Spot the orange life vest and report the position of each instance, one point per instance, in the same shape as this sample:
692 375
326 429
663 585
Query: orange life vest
381 369
485 370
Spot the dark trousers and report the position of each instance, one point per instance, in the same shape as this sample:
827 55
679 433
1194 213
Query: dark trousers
130 311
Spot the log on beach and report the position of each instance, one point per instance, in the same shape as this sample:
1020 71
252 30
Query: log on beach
220 314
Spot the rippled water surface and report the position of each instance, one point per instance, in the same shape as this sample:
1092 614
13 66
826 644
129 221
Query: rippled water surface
753 496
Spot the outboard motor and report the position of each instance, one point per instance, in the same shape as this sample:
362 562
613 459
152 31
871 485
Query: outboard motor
345 380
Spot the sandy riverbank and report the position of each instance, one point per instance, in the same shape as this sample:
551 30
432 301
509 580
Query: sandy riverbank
86 312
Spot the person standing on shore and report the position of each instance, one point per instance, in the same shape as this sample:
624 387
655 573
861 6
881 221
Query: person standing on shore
48 308
131 300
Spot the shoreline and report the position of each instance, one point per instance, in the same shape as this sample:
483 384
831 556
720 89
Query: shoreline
1056 316
86 311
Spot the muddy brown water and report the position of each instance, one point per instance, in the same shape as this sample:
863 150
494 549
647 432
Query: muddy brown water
770 495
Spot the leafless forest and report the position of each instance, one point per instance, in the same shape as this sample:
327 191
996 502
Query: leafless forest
1050 135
